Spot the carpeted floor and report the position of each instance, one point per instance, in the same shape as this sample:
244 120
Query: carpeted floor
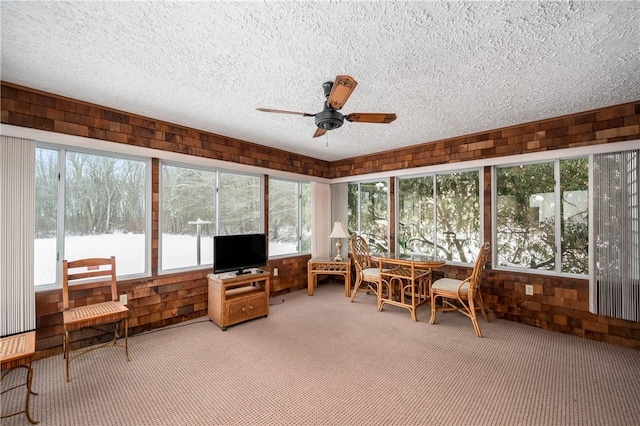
322 360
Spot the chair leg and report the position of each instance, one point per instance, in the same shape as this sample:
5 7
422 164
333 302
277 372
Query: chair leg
474 317
66 351
126 338
355 288
433 309
481 304
117 324
476 326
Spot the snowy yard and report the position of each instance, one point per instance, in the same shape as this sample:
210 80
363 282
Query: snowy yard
178 251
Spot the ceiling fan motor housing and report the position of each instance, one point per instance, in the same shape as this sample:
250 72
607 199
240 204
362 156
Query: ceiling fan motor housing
329 118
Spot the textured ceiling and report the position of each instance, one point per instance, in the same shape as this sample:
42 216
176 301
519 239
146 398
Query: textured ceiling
445 68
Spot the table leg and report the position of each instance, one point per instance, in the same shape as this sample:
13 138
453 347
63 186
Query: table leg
347 283
310 282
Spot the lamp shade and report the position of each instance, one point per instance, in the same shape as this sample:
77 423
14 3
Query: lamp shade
339 231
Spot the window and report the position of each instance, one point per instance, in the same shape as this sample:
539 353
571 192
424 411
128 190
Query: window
542 216
191 214
440 215
46 216
368 209
104 211
289 217
239 204
187 216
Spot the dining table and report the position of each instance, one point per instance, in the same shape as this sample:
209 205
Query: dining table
405 279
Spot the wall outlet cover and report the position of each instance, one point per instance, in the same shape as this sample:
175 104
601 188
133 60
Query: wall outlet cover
528 289
123 298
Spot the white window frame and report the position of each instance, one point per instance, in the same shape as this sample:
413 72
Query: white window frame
216 202
299 184
61 210
434 176
359 222
557 219
161 270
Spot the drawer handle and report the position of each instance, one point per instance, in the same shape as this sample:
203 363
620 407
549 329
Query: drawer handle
251 307
244 309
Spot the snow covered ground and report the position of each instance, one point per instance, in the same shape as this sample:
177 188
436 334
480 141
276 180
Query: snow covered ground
178 251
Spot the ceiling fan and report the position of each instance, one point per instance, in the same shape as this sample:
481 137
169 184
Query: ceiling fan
337 92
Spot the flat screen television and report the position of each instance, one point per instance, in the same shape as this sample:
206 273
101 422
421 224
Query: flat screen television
237 253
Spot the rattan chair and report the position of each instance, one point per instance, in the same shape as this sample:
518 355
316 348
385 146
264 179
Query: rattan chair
367 271
462 295
87 274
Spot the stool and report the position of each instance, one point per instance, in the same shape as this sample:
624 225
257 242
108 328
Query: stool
17 352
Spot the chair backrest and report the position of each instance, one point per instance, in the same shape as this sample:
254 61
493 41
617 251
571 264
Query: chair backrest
98 272
474 278
360 252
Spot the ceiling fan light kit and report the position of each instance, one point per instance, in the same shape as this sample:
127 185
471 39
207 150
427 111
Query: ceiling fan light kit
337 93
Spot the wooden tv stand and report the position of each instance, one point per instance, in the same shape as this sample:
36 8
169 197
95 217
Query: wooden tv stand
237 298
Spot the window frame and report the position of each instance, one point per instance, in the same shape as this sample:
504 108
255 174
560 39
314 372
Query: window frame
62 151
557 271
299 219
358 229
434 175
216 225
161 163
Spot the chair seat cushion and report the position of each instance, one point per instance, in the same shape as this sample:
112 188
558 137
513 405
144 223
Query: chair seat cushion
450 284
371 273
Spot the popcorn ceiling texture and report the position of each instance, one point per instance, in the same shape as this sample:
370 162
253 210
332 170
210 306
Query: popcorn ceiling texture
445 68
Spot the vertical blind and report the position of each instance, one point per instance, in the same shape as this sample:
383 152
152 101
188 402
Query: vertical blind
17 195
615 269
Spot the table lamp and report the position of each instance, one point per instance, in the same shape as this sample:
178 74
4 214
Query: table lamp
339 232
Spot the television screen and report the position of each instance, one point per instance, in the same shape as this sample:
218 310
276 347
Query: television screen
239 252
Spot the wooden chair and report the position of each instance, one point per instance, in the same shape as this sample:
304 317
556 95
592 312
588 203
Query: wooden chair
462 295
86 274
367 271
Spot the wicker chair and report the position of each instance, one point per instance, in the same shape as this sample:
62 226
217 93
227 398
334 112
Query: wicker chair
85 274
462 295
367 271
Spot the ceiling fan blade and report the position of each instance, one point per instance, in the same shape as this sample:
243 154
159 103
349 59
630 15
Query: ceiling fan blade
281 111
342 88
319 132
371 117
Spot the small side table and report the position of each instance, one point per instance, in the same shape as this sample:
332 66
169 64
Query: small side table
17 352
328 267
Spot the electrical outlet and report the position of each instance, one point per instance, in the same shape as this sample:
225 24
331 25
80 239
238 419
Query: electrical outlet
528 289
123 298
275 272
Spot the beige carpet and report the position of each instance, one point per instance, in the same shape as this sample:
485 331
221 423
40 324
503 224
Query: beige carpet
322 360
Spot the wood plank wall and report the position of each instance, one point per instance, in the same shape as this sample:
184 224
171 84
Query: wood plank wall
559 304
